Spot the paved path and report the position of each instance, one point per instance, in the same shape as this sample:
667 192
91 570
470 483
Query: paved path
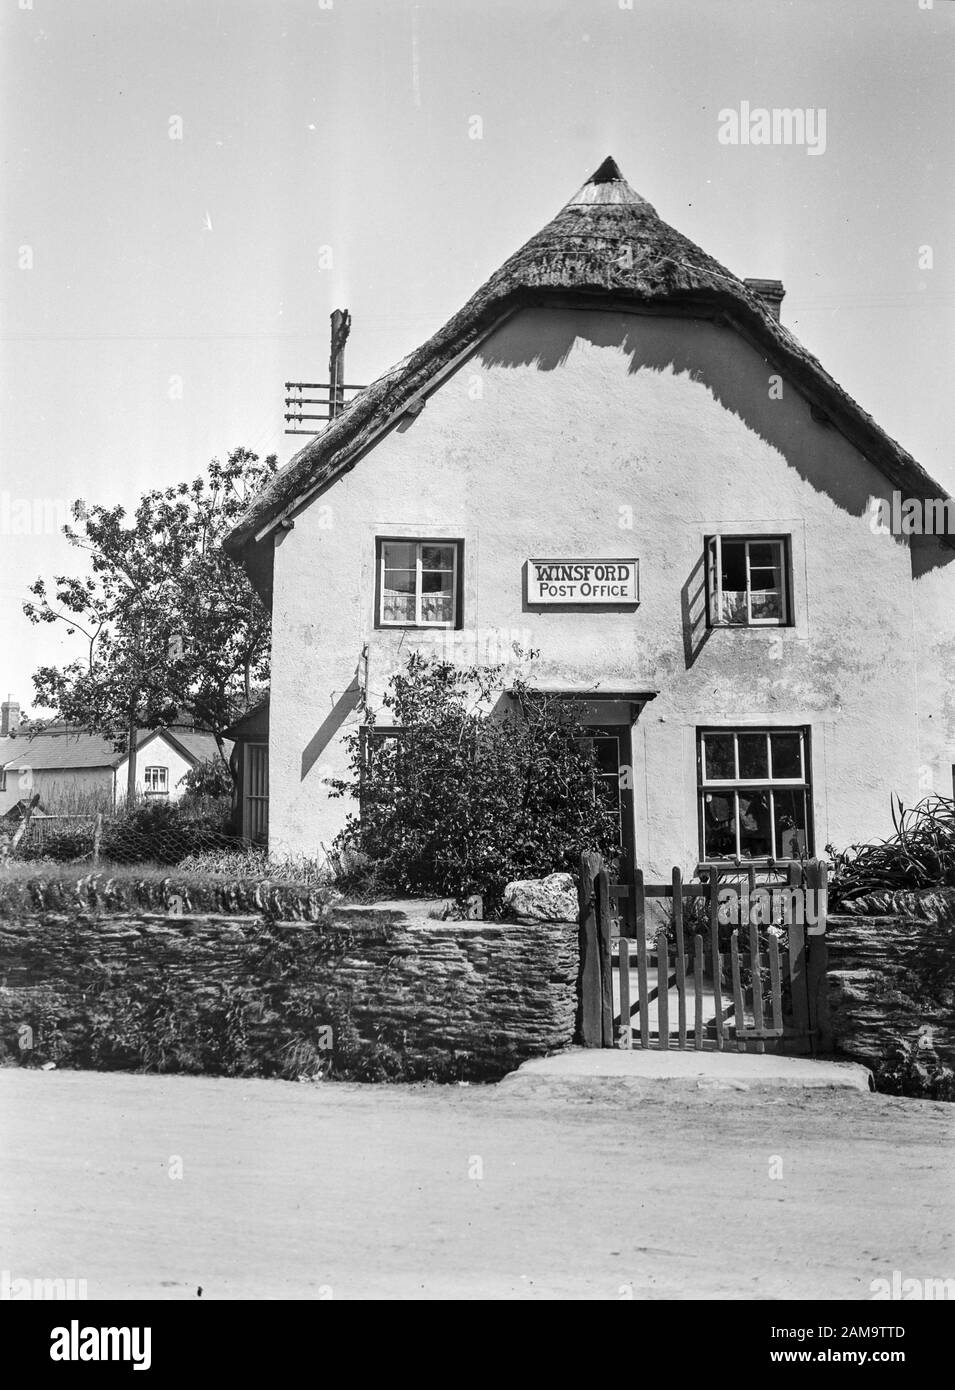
475 1192
730 1070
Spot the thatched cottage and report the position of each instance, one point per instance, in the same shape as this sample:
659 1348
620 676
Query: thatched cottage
618 454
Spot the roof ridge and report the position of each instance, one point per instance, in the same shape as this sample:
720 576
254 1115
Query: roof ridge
561 257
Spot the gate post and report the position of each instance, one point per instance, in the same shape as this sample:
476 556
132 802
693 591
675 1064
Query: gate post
817 957
590 1014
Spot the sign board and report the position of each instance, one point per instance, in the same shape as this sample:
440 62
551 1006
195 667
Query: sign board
582 581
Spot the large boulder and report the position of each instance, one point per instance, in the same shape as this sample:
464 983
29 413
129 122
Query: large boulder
550 899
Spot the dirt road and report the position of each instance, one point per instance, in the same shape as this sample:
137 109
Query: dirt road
327 1190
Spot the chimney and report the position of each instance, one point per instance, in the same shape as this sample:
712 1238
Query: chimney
771 292
9 718
341 327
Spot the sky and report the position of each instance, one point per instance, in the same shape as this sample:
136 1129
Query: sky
190 187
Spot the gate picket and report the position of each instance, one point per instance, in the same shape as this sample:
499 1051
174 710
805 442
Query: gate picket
663 990
642 985
626 1028
737 994
757 974
776 987
680 957
698 949
606 963
717 962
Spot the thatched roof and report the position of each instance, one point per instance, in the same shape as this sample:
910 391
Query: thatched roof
606 245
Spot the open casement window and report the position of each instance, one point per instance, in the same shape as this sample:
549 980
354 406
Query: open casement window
755 794
747 581
156 781
418 583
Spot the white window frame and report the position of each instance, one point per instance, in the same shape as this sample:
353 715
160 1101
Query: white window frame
164 778
383 543
714 560
734 785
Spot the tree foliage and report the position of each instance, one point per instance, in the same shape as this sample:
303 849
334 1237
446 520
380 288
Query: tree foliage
485 784
170 625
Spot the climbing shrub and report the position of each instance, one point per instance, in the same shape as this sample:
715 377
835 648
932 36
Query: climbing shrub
487 780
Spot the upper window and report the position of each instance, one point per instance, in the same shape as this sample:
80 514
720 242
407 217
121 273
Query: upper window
747 581
418 583
755 794
156 779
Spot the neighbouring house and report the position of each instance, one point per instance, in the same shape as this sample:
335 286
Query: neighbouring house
68 767
617 454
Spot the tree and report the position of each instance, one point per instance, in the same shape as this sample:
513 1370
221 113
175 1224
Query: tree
481 786
171 625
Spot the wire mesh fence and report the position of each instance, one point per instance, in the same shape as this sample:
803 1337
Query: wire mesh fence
97 839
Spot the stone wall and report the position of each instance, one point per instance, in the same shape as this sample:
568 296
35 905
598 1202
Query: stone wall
368 993
890 977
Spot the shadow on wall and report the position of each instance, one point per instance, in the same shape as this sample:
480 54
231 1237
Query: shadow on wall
348 701
696 633
739 381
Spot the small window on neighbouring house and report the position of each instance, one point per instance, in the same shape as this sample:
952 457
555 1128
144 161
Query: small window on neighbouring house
155 779
418 583
755 794
747 581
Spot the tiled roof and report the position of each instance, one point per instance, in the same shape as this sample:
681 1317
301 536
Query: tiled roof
60 749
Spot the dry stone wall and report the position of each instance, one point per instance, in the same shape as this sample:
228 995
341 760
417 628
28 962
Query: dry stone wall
363 992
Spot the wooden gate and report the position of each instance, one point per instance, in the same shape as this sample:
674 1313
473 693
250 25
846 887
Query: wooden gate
713 974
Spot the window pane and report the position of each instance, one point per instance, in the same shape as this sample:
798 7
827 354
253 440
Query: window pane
718 759
435 582
398 555
397 608
765 604
399 581
734 607
754 825
436 608
437 557
753 761
734 564
786 758
607 753
763 555
719 831
791 838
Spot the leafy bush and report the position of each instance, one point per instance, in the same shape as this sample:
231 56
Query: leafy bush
209 779
910 1068
921 854
63 846
481 787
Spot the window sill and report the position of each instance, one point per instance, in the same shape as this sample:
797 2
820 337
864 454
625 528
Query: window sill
764 866
417 627
769 625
